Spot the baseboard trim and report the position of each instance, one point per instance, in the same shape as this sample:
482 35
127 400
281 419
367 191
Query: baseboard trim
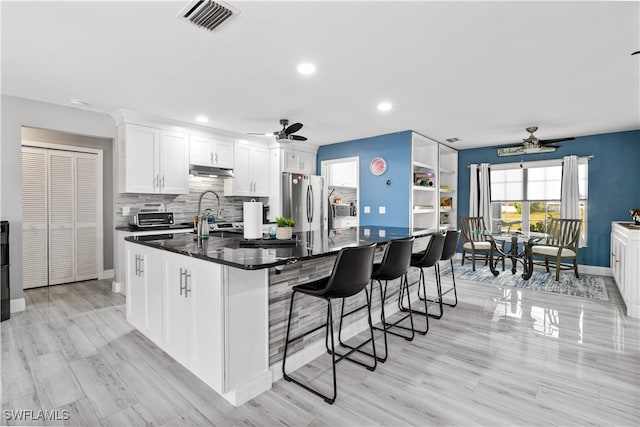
250 389
107 274
17 305
594 269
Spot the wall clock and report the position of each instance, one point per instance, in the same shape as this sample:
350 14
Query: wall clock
378 166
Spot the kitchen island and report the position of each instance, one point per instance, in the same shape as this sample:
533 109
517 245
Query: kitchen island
219 308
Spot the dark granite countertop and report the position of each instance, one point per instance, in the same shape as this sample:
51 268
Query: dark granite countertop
308 245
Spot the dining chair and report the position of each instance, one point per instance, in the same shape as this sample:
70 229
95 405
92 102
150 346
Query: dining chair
475 239
561 244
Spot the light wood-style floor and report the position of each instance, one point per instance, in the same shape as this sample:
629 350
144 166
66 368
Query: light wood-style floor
502 357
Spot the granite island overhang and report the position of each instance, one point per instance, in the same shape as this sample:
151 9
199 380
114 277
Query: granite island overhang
219 308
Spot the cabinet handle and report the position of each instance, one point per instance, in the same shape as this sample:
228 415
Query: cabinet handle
216 157
162 180
137 265
155 182
183 275
211 157
141 266
187 290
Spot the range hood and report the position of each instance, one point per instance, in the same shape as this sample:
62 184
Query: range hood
211 171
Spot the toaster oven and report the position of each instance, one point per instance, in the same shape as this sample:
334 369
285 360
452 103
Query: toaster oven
151 219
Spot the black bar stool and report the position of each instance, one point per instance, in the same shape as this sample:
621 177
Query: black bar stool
426 259
351 274
448 251
395 264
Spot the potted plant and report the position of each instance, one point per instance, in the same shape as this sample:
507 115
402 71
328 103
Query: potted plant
284 227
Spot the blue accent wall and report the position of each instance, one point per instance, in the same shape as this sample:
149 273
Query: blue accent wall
395 149
614 183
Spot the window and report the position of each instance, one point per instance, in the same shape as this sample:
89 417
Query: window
527 198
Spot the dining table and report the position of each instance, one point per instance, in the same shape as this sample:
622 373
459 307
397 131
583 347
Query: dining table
524 256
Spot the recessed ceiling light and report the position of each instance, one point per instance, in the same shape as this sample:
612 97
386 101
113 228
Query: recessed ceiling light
78 102
384 106
242 141
306 68
202 119
452 140
213 176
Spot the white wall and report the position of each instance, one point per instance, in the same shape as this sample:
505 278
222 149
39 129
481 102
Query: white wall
18 112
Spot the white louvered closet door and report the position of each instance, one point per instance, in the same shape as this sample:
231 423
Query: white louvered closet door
61 217
86 214
34 217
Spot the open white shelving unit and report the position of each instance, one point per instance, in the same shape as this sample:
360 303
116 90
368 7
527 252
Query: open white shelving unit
424 201
448 187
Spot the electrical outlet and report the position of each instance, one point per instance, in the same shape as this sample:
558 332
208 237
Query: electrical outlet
367 209
367 232
125 211
382 233
382 210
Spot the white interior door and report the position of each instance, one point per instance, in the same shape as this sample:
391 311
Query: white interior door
61 217
34 217
86 215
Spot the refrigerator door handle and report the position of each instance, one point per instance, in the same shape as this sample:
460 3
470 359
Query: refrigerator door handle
309 203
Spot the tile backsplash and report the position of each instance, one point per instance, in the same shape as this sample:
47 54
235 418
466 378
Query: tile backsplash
184 206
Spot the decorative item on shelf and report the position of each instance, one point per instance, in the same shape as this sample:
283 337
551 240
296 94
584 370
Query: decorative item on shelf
284 229
635 214
445 188
427 179
446 203
378 166
337 200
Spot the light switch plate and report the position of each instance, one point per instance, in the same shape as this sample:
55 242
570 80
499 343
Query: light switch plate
382 210
367 209
125 211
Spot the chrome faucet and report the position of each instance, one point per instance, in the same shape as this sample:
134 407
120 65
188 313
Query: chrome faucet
202 219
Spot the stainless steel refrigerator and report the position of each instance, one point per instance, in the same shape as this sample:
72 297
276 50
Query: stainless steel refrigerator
303 199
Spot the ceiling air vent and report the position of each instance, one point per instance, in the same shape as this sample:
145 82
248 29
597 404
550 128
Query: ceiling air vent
206 13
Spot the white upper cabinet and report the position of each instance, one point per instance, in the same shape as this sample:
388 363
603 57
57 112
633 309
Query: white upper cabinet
343 174
206 151
251 170
298 161
152 160
174 163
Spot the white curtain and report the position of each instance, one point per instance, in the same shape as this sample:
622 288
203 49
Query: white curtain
570 193
480 192
473 190
484 204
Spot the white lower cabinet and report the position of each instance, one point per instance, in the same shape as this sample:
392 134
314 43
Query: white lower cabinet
193 315
144 291
212 319
625 265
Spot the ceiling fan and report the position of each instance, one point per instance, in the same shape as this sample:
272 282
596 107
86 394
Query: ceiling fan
286 134
531 145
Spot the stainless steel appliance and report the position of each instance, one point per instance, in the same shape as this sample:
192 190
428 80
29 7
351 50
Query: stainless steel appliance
151 219
5 307
303 199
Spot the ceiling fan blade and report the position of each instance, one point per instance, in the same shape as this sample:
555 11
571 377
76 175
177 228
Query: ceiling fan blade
293 128
298 137
553 141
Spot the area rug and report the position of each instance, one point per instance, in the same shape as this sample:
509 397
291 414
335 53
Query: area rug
587 286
